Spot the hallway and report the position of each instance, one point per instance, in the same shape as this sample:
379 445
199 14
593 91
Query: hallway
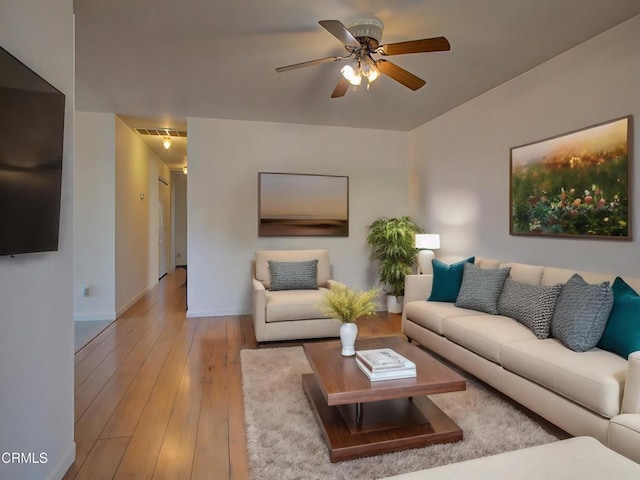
160 396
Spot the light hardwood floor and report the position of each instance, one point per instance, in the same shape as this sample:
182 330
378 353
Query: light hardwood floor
159 396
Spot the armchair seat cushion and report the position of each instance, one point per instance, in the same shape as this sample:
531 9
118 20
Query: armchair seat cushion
286 305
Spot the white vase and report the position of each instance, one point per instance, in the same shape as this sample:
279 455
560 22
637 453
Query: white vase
348 334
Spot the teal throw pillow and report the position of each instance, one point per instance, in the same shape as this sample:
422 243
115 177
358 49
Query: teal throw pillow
622 333
447 280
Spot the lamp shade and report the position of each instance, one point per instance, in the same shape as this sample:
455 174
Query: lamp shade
429 241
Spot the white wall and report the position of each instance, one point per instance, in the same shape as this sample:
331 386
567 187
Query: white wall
225 157
36 304
137 170
95 217
460 161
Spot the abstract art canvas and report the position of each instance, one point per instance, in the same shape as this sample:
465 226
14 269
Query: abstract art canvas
303 205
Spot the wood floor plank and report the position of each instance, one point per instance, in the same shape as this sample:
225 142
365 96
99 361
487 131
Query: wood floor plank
211 455
94 343
175 459
239 465
103 460
127 413
91 423
142 452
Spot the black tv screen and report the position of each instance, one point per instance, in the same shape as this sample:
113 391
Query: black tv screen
31 141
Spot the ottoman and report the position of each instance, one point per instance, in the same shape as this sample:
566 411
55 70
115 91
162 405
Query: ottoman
579 458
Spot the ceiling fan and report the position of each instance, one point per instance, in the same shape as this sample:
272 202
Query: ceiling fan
361 39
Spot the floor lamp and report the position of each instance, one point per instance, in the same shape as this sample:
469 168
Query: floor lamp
426 243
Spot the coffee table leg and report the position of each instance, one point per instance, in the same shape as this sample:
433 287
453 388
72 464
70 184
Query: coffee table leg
359 413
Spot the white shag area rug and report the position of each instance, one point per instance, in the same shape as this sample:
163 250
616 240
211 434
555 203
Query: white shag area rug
284 442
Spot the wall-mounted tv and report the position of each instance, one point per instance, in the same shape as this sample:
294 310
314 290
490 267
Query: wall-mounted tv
303 205
31 142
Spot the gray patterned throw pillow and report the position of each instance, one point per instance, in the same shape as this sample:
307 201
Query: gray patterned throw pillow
480 289
294 275
581 313
531 305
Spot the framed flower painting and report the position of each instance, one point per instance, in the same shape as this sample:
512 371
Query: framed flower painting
575 184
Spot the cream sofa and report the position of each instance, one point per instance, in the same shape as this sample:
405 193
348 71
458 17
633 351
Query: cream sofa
290 314
594 393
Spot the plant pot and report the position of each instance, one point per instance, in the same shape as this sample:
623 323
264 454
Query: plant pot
348 334
394 304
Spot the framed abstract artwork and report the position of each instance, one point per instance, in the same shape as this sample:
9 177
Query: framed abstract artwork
303 205
574 185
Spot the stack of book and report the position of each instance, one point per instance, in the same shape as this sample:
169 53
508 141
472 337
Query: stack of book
384 364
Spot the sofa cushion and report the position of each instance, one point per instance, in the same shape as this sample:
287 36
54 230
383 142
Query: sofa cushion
553 275
581 313
594 379
431 314
484 334
622 333
480 289
447 280
294 275
285 305
521 272
531 305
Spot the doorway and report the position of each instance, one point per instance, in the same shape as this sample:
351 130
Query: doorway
164 198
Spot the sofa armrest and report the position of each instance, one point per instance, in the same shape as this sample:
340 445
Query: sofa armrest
417 287
624 435
631 399
333 283
259 305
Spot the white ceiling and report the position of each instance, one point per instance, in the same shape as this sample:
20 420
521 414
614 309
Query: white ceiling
156 62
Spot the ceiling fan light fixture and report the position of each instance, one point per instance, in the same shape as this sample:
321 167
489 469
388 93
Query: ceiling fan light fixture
166 142
369 69
352 75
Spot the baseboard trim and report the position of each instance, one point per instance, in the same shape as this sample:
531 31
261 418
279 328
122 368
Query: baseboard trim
95 317
64 463
131 302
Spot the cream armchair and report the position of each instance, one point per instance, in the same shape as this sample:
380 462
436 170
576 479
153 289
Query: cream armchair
290 314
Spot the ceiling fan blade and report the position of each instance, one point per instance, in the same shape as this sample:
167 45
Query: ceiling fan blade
308 64
338 30
341 88
437 44
400 75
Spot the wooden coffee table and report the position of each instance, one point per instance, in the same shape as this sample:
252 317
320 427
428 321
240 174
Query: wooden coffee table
359 418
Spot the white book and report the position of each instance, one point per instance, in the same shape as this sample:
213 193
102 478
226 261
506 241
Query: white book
386 375
383 359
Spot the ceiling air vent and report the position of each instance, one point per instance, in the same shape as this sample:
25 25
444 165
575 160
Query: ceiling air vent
161 132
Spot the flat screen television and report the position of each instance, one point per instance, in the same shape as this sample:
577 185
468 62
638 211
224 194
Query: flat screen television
31 141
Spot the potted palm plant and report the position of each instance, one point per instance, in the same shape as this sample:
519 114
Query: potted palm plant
347 305
392 243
